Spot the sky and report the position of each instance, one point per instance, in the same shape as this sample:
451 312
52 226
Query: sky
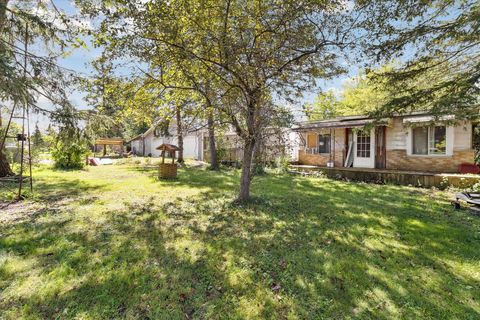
79 61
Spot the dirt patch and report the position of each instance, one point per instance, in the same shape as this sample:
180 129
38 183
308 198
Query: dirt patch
12 212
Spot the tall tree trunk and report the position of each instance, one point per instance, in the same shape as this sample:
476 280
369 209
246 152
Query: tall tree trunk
179 134
212 143
246 176
5 169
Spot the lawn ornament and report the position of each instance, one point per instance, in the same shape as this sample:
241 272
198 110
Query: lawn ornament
168 170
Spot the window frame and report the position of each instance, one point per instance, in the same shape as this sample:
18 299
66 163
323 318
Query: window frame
363 152
329 143
430 131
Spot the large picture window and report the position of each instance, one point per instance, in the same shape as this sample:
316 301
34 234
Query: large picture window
363 144
429 140
324 143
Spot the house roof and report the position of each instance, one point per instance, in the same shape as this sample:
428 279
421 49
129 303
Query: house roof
135 138
427 118
356 121
156 124
340 122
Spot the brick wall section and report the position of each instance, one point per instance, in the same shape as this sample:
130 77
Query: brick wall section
322 159
399 160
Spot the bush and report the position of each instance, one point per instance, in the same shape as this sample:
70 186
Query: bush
281 164
476 186
69 155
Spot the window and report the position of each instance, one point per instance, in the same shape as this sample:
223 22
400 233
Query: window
437 142
420 140
324 143
429 140
363 144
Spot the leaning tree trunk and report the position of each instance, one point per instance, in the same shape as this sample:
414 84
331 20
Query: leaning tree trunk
179 135
246 177
212 143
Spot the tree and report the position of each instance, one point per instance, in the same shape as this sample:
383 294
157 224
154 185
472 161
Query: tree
25 76
438 45
254 49
326 106
37 137
360 95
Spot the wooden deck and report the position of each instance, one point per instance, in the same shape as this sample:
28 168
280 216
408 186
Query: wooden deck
414 178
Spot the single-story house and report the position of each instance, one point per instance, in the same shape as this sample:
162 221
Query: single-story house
413 142
162 132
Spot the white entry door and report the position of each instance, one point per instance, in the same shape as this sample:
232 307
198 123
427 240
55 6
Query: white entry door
364 151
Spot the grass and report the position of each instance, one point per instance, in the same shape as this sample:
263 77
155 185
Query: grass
114 242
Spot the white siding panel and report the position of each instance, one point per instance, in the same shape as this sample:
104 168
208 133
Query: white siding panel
137 147
148 144
396 135
450 140
190 146
463 136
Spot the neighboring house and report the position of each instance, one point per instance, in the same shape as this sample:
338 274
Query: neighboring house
415 142
166 132
196 144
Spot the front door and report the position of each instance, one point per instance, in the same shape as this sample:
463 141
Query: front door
380 148
364 149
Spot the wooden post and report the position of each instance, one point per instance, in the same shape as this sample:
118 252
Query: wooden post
104 150
163 156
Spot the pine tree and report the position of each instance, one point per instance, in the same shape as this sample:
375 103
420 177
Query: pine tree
37 138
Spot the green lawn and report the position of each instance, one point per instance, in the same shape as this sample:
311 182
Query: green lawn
114 242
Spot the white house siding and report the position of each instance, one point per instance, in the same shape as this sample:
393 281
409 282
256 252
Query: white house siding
137 147
463 136
459 137
148 145
190 144
396 135
157 141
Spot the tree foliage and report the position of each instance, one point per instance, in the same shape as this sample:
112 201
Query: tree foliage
254 50
33 34
359 95
438 43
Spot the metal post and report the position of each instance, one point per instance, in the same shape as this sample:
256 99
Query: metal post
29 150
25 106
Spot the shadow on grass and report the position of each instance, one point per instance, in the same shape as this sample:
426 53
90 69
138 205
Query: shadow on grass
333 254
225 180
63 188
311 248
